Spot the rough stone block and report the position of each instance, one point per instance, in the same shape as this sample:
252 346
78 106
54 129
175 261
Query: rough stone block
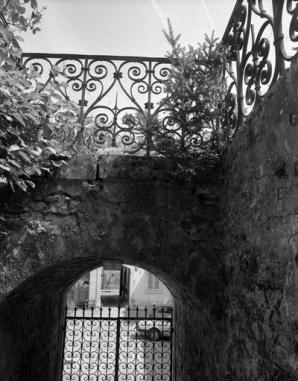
80 167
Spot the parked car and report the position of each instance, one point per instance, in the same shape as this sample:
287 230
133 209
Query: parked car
158 322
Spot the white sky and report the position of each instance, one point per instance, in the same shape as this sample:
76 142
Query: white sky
125 27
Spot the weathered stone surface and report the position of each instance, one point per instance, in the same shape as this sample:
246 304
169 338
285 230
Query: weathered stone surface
227 251
261 229
130 211
80 167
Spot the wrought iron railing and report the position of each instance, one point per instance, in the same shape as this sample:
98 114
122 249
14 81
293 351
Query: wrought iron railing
257 52
119 100
108 344
118 96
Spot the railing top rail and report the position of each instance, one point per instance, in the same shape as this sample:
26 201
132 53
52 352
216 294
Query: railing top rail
97 57
118 96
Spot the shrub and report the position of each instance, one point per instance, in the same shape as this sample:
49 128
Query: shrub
33 116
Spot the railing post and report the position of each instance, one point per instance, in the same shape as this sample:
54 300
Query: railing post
277 6
148 119
83 100
117 345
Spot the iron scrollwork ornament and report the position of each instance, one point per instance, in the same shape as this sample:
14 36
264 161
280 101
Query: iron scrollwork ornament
103 344
256 53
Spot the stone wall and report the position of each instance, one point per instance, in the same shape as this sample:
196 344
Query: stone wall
227 251
261 239
123 209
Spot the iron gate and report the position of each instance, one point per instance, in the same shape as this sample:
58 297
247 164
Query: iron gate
115 344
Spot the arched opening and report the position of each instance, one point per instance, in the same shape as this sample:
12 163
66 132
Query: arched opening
118 325
117 284
32 318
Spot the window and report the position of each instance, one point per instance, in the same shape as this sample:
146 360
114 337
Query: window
153 282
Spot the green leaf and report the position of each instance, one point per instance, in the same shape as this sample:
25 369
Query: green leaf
13 147
3 179
45 98
37 151
36 30
19 119
63 84
15 17
5 167
21 184
58 163
45 169
51 149
43 107
13 131
6 35
36 170
23 22
22 10
57 96
34 4
25 157
14 163
30 183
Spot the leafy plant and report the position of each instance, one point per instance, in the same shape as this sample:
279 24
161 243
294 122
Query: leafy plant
21 15
188 131
33 116
194 92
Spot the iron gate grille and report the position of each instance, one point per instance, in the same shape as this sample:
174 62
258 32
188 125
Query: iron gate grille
115 344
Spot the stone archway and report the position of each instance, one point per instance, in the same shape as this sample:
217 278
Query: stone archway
30 321
172 228
119 323
128 210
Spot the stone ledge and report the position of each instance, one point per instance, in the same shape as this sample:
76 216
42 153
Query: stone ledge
79 167
135 167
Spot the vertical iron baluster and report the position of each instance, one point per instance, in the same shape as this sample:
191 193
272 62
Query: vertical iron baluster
126 322
171 343
82 341
115 122
63 343
108 340
145 344
84 78
129 326
73 340
129 346
153 345
155 356
117 344
90 341
83 97
137 347
277 7
99 338
162 344
148 132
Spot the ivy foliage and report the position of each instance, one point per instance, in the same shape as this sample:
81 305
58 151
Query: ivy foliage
33 116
